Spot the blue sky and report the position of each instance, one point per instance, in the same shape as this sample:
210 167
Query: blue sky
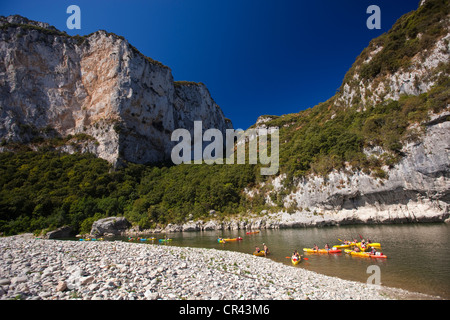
255 56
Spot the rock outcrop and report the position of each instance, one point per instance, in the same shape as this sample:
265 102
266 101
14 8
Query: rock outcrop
98 89
63 232
110 225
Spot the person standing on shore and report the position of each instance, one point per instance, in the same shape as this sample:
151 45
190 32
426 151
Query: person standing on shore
266 250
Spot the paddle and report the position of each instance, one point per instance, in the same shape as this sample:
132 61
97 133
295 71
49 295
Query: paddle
302 258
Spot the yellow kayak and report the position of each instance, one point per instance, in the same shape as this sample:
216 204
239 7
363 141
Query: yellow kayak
360 254
342 246
373 244
296 262
368 246
366 254
232 239
308 250
259 254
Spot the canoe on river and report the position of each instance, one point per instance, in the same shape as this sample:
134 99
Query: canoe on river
296 261
308 250
259 254
232 239
377 255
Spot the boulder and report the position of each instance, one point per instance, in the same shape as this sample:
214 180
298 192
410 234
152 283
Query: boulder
63 232
173 228
211 225
111 225
191 226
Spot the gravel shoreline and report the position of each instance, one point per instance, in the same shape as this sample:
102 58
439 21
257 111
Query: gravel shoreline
38 269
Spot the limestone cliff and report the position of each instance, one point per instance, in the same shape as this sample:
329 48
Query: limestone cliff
97 88
416 189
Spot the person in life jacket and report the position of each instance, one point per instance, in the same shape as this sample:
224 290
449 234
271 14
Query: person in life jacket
375 252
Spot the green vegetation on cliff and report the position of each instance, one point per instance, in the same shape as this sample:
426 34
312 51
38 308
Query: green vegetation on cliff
324 138
40 190
414 33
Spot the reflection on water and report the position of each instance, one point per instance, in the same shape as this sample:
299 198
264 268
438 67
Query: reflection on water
418 257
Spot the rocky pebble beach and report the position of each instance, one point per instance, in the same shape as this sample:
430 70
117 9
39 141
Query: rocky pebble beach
38 269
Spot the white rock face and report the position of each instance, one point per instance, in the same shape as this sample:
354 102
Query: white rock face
416 189
193 102
418 78
98 85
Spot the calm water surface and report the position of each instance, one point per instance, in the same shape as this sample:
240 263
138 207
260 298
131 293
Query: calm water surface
418 254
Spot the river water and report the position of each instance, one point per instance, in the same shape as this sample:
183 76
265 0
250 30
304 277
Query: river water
418 254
